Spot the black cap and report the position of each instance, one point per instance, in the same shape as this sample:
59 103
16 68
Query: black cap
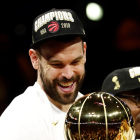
122 80
54 23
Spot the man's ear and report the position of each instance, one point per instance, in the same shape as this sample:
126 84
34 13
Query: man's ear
85 48
34 58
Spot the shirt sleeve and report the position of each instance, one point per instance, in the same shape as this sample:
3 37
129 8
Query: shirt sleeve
24 126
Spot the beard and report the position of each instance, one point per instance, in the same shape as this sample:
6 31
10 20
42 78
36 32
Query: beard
51 90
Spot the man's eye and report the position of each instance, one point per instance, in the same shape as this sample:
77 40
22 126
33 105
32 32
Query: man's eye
138 99
75 62
132 100
57 65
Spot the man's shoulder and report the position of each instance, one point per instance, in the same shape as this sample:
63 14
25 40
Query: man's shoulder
24 98
18 102
23 123
31 100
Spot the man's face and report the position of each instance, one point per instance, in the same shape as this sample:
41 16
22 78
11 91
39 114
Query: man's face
135 110
61 69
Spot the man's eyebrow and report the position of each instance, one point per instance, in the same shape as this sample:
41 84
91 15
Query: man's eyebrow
79 57
54 61
57 61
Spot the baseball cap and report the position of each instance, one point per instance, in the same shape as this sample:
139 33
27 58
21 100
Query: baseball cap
55 23
122 80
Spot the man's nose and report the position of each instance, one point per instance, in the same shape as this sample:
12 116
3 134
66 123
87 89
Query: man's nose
67 72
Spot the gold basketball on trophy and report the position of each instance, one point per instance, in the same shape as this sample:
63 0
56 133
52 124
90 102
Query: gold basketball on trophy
99 115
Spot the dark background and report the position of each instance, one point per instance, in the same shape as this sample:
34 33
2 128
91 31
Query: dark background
112 43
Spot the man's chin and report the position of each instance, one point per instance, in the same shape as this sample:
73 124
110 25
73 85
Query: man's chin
137 135
66 101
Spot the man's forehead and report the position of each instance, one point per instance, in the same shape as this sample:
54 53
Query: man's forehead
57 50
130 92
56 46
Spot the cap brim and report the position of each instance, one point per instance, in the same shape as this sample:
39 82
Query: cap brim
39 42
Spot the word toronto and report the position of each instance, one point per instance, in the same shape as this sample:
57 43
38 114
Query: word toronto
58 15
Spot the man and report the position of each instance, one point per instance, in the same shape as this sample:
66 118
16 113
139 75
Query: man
125 83
58 53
